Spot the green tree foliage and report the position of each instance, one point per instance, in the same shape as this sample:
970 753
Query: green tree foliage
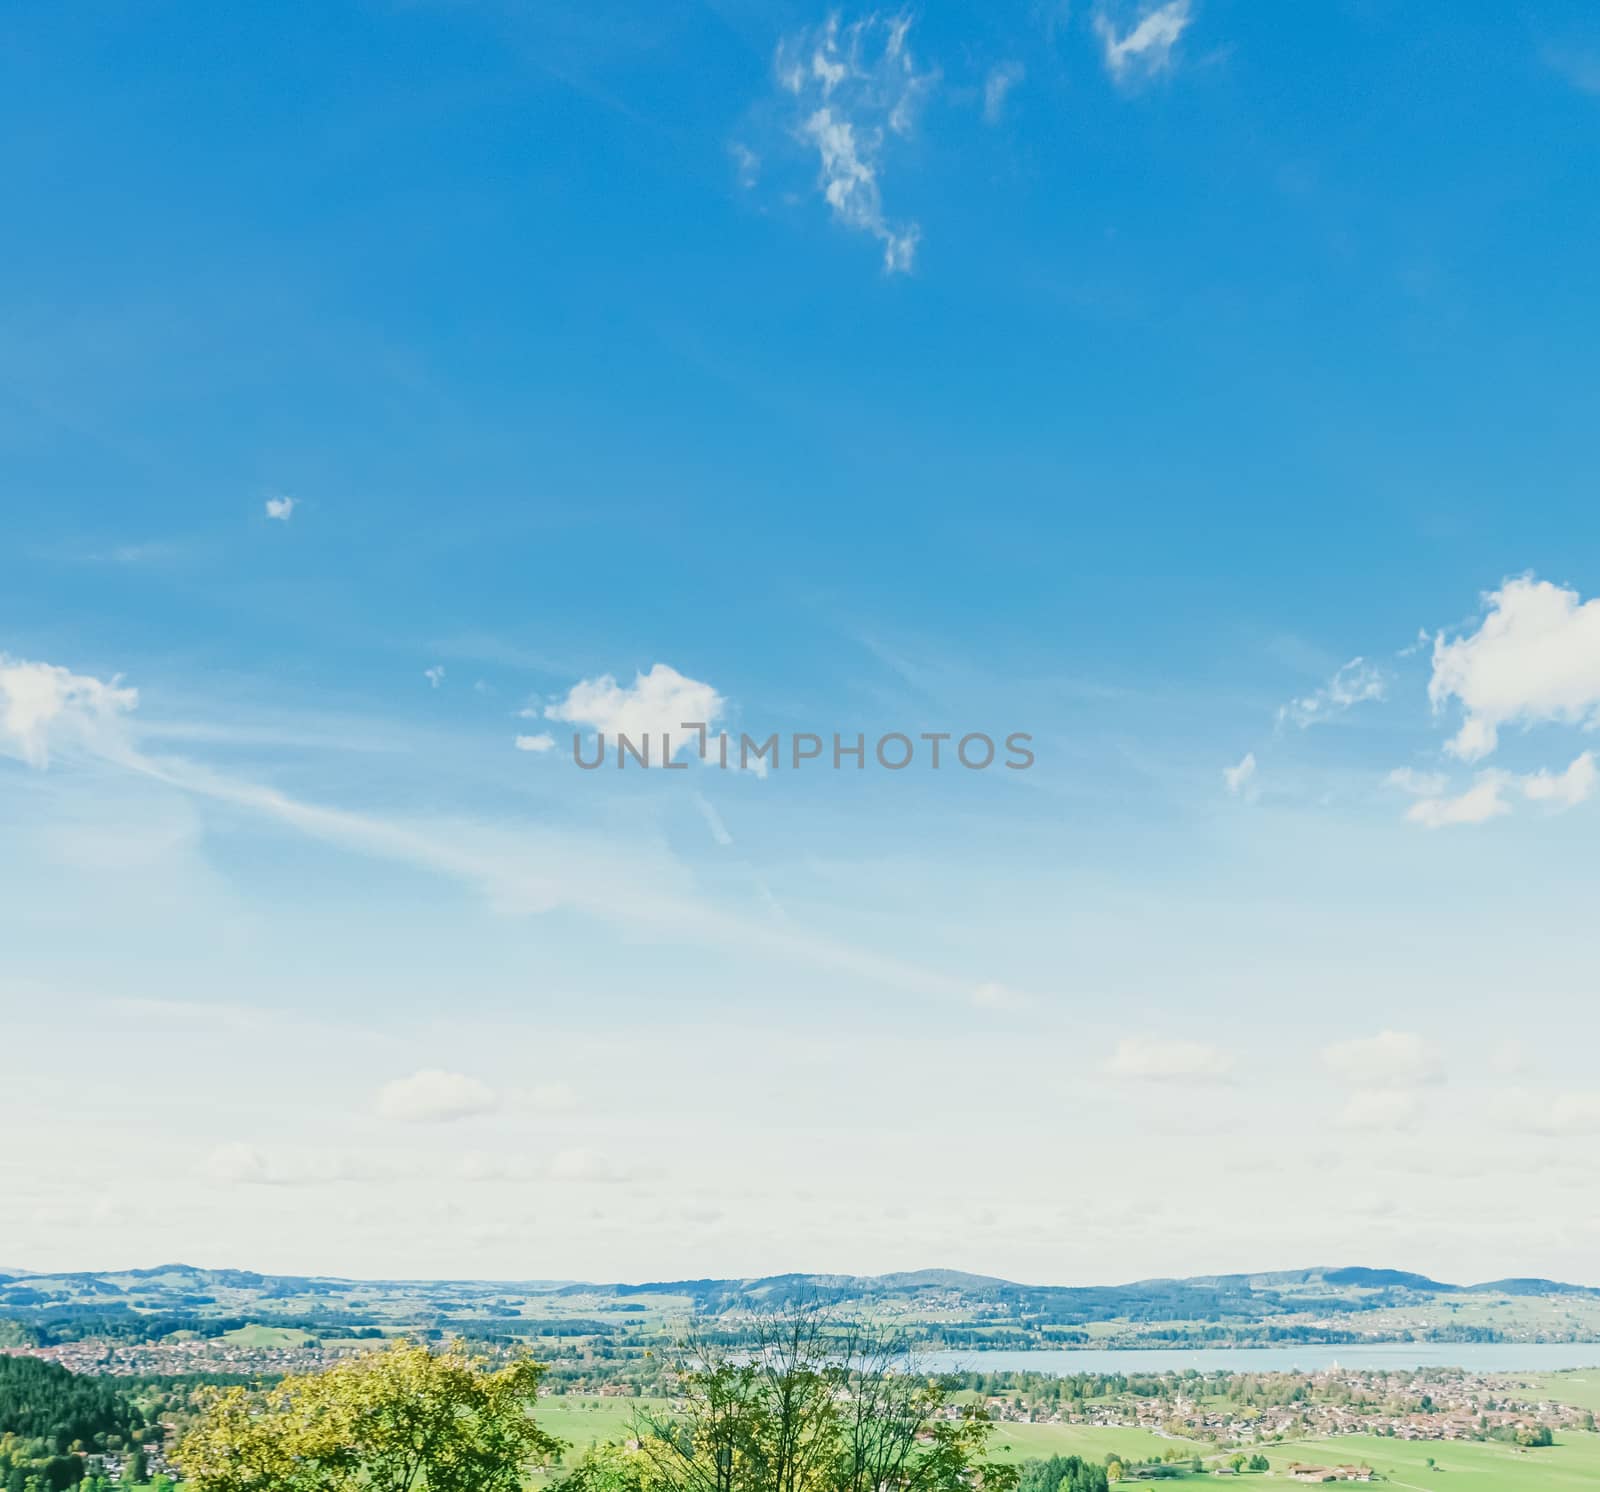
1062 1474
43 1400
397 1420
812 1405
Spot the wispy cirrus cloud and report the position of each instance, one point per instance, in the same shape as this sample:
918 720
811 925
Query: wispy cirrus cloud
1353 683
855 88
1580 66
1146 48
997 87
519 870
1239 776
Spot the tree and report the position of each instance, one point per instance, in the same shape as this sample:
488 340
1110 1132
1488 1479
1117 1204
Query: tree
396 1420
1237 1460
814 1404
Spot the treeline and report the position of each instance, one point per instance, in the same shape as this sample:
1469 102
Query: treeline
1063 1474
42 1400
119 1323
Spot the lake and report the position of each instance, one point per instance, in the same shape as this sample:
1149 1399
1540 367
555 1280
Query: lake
1482 1357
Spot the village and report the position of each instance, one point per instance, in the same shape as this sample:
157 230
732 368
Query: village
1251 1410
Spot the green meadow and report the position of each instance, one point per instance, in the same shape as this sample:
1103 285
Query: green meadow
1580 1387
583 1420
1021 1442
1459 1465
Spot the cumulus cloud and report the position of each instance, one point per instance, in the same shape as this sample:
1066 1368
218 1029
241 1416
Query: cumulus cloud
543 741
1488 799
1555 1114
433 1096
1399 1059
43 706
1238 777
1562 789
1483 801
1383 1112
1356 682
586 1165
656 703
236 1165
1533 659
239 1164
1144 1059
282 508
551 1098
996 86
854 88
1146 49
434 675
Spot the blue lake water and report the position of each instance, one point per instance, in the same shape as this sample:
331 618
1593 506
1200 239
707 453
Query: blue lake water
1484 1357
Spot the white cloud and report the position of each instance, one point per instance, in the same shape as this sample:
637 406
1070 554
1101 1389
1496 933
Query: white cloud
585 1165
434 675
656 703
747 162
1579 67
44 706
1418 784
1554 1114
1534 659
1562 789
1356 682
552 1098
1238 776
1486 798
1147 49
854 87
236 1165
239 1164
544 741
992 996
708 811
1381 1111
282 508
1400 1059
433 1096
520 870
1483 801
997 85
1142 1059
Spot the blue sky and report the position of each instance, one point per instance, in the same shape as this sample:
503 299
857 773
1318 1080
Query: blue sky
1206 390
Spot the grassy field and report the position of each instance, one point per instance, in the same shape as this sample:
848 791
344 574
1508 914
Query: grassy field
1573 1465
255 1335
1016 1442
583 1421
1460 1466
1580 1388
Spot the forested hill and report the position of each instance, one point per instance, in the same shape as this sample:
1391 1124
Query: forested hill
939 1306
39 1400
